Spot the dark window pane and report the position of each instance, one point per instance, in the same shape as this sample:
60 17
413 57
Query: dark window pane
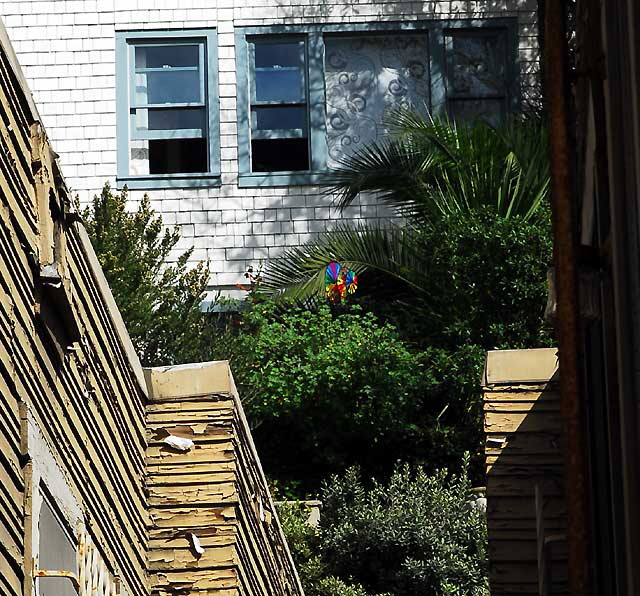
279 155
490 111
176 119
279 118
279 85
477 64
177 156
168 87
279 54
167 56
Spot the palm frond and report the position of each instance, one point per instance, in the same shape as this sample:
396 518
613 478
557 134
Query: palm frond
391 168
299 273
428 167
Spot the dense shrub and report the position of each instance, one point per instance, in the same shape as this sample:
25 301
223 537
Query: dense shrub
487 280
415 535
332 388
485 284
327 391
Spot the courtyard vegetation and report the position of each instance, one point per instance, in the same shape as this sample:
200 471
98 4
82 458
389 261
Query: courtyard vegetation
368 402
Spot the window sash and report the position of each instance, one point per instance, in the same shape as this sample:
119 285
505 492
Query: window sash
133 70
206 40
256 103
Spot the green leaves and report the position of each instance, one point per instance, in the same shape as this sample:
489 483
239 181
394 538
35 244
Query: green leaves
328 390
160 303
299 273
427 171
428 168
415 534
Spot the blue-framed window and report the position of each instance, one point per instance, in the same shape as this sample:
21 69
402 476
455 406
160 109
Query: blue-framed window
168 109
308 96
279 105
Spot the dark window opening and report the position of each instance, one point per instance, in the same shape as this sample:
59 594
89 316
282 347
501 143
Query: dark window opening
280 155
280 118
177 156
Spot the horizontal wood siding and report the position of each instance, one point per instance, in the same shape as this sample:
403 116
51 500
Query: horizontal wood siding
216 490
86 399
192 492
523 450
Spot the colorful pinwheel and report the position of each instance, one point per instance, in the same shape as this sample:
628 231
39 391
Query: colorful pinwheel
338 281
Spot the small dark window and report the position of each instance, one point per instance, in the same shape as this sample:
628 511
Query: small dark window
280 155
175 156
477 69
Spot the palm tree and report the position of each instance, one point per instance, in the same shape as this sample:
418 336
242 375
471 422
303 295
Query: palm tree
424 170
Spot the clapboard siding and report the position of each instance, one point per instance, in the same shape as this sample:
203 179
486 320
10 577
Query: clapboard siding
215 490
84 392
74 400
523 450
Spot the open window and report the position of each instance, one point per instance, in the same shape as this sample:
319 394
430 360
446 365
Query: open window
167 109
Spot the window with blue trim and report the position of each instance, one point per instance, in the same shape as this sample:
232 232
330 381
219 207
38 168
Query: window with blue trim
168 133
310 96
279 120
477 74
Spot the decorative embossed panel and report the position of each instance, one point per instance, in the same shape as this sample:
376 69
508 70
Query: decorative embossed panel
366 77
477 75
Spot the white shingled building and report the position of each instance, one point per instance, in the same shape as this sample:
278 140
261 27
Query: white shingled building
227 113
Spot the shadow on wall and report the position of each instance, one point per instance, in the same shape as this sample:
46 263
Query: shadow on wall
526 512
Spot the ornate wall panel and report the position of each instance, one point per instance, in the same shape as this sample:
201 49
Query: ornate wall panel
367 77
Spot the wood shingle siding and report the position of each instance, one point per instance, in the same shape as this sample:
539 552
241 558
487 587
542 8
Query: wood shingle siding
523 433
89 403
215 490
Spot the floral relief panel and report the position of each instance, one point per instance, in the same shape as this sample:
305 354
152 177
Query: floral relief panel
366 77
477 75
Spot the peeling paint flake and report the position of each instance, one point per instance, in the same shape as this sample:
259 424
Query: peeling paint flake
179 443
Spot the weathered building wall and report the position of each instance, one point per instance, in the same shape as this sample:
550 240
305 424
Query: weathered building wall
68 52
78 514
214 490
71 389
523 457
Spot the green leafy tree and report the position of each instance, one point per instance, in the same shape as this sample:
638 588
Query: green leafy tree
417 534
160 303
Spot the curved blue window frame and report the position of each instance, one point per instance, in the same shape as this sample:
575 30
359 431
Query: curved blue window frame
125 41
314 36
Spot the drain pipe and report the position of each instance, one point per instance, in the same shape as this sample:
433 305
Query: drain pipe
567 321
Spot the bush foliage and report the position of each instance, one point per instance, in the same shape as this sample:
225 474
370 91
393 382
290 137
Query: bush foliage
325 391
328 387
415 535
